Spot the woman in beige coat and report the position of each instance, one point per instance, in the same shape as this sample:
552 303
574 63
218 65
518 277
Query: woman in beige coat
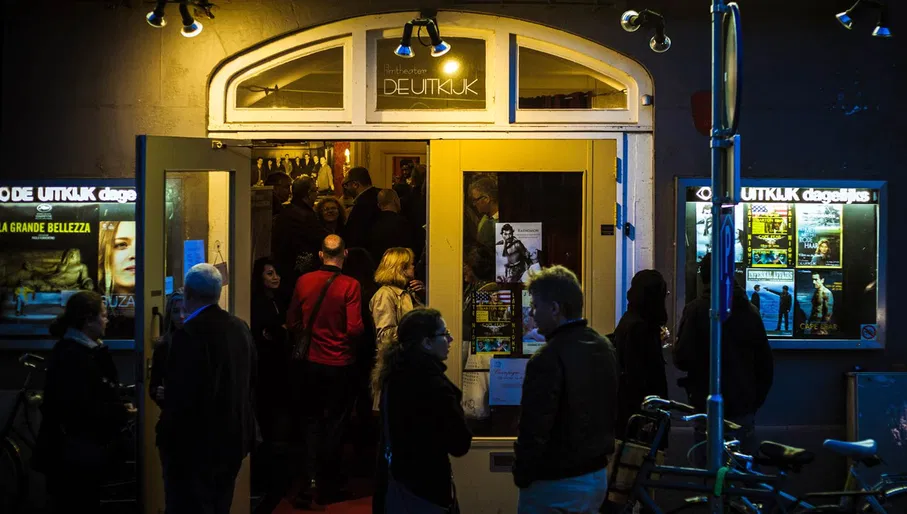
398 294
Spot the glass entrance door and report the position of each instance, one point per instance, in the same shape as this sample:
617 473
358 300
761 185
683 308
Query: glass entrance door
193 207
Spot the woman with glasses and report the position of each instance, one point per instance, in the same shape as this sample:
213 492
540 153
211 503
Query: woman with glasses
422 418
331 214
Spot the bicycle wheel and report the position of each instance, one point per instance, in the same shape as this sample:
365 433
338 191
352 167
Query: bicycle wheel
700 505
13 478
895 501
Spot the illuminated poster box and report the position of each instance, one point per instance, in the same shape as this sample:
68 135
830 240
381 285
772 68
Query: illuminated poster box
809 254
58 238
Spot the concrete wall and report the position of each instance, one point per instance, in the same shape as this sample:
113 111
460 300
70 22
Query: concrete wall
819 102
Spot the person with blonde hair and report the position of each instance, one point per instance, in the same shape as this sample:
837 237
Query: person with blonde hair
397 294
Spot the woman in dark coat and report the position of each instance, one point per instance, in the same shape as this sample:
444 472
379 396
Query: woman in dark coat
83 414
422 409
638 340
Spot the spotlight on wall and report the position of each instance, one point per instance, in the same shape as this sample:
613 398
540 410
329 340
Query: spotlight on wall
191 26
631 21
156 17
439 47
846 18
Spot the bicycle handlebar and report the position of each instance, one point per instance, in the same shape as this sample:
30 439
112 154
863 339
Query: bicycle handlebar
655 403
28 360
728 425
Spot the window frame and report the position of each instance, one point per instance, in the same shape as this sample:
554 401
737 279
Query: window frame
317 114
628 115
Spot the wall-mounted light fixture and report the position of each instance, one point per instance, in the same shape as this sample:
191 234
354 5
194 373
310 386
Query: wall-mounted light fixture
191 26
881 30
631 21
439 47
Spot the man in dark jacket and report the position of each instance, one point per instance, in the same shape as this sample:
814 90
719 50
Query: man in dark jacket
756 300
747 365
297 235
365 211
391 229
207 425
566 431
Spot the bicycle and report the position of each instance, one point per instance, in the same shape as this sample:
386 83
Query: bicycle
888 496
14 473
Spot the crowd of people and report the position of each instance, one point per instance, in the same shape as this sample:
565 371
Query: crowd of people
334 337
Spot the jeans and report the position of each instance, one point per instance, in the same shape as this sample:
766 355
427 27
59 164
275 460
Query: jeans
576 495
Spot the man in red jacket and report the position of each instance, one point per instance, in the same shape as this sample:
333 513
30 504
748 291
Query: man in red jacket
326 376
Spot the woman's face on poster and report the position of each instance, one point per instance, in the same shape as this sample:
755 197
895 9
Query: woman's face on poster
823 247
122 257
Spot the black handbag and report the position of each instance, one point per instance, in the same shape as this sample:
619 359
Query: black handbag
304 339
399 499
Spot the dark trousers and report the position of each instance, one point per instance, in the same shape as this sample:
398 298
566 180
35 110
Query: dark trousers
785 315
194 488
74 491
324 397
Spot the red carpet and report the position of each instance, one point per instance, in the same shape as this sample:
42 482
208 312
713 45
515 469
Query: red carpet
358 506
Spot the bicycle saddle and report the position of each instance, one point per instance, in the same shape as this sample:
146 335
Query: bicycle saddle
780 455
856 450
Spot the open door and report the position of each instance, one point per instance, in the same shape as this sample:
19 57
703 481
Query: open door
193 206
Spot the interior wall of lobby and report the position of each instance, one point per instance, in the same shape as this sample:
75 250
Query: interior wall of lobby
80 80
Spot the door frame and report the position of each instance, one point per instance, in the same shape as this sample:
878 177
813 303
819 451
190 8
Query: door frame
155 155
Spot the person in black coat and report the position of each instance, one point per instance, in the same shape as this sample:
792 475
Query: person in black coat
358 183
638 340
83 414
207 425
391 229
423 410
747 364
297 235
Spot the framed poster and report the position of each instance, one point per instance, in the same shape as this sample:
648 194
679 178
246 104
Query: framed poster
58 238
810 255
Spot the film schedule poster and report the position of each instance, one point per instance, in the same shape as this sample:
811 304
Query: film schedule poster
517 251
493 329
819 236
772 292
704 231
769 236
818 294
57 241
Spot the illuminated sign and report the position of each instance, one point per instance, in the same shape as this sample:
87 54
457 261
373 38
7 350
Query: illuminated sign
60 194
796 195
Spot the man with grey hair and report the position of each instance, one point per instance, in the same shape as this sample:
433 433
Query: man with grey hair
483 194
569 404
207 425
391 229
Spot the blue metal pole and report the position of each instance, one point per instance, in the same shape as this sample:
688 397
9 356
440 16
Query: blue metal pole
715 402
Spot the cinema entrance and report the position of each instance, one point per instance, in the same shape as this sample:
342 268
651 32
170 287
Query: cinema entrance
528 135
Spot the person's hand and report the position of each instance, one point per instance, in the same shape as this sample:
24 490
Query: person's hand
130 408
159 393
417 285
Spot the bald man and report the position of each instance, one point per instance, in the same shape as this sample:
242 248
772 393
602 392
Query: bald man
327 307
391 229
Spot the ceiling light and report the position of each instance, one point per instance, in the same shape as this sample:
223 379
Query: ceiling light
405 49
846 17
439 47
631 21
882 29
451 66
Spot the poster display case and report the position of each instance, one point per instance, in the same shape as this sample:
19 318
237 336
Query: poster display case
58 238
810 255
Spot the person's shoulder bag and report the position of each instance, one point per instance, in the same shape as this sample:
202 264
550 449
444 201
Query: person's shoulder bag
304 338
399 499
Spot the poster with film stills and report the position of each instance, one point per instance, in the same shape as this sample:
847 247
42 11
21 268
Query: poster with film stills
772 291
768 235
819 294
704 231
493 327
819 236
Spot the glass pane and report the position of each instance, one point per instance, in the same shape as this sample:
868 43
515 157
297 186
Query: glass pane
515 223
547 81
455 80
197 227
314 81
812 253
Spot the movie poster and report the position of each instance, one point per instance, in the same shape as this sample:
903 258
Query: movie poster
772 292
818 292
58 241
819 236
517 251
532 339
704 231
493 330
768 235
